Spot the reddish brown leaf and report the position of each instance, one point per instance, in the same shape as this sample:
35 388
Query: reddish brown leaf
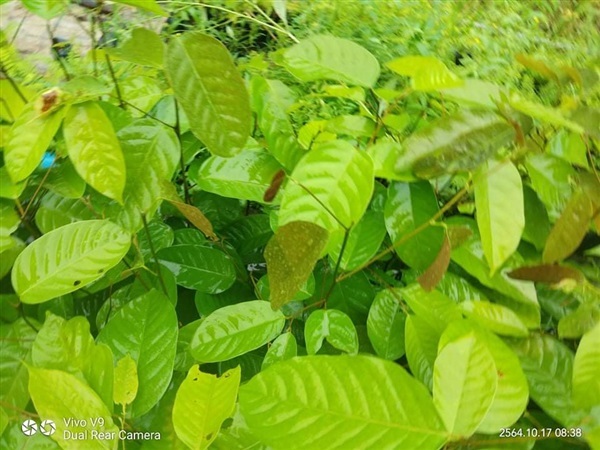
435 272
275 185
546 273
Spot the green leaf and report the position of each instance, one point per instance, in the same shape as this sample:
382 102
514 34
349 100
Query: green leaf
141 92
586 383
245 176
333 325
421 343
498 189
464 384
362 244
145 329
496 318
234 330
434 307
29 137
385 325
456 143
144 47
46 9
60 396
8 189
9 254
570 228
354 126
353 296
537 223
291 255
56 211
151 153
546 114
126 381
360 401
475 94
331 186
95 150
548 366
16 340
67 259
271 100
512 393
202 403
69 346
197 267
577 323
384 155
551 178
281 349
8 225
148 5
427 72
211 92
409 206
569 146
64 180
324 57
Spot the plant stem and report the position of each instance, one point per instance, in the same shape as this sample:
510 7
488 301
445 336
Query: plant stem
186 190
160 277
337 266
114 78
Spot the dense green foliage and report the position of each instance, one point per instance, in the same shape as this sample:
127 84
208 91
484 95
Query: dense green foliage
302 226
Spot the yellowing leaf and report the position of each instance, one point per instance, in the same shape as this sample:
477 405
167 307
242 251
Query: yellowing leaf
291 255
126 381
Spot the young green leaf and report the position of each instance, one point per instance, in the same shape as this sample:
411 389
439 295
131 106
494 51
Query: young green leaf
434 307
333 325
271 100
146 329
202 403
59 396
67 259
331 187
324 57
494 317
427 72
46 9
281 349
361 401
245 176
579 322
498 189
291 255
69 346
421 344
95 150
537 223
234 330
148 5
29 137
385 325
144 47
210 90
464 384
586 383
64 180
126 381
384 155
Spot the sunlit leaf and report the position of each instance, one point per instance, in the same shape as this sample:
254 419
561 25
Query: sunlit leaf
144 47
331 325
126 381
360 401
385 325
496 318
281 349
586 383
427 72
211 92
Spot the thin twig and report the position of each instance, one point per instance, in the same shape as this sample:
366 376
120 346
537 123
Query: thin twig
151 245
114 78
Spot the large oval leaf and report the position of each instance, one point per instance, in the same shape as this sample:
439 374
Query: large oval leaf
65 399
56 211
94 149
331 186
282 348
464 384
202 403
151 153
291 255
196 267
28 139
427 72
455 143
408 206
421 342
234 330
68 259
146 330
245 176
211 92
331 58
498 189
496 318
340 402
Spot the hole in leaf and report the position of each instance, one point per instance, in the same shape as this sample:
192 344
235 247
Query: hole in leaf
208 436
76 282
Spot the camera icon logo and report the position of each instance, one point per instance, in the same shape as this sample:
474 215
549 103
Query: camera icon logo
29 427
48 427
